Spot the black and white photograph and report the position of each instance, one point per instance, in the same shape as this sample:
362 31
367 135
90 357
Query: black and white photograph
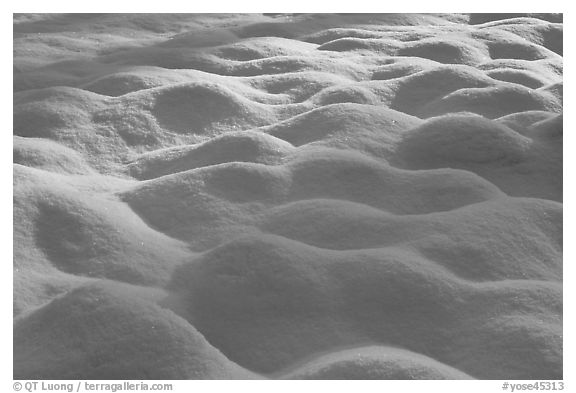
287 196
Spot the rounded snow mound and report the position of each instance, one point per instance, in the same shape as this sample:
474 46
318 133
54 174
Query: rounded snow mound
121 83
421 88
493 102
375 362
325 36
521 121
87 235
456 140
199 108
47 112
308 300
263 47
305 196
518 50
398 70
347 44
297 86
124 335
342 94
479 18
351 176
556 89
551 128
446 51
49 156
245 146
208 205
521 77
551 69
341 120
531 251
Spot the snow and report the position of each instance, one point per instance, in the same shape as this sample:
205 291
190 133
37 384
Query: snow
300 196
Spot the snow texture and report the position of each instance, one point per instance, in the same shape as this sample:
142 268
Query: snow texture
288 196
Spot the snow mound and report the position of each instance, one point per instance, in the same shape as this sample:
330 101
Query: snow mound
315 299
447 141
199 108
520 121
375 363
288 196
341 120
521 77
550 128
123 335
493 102
328 35
260 48
386 47
420 89
246 146
397 70
518 50
511 18
208 204
548 35
445 51
50 156
44 112
325 224
508 152
556 89
120 83
294 87
349 176
86 235
550 69
342 94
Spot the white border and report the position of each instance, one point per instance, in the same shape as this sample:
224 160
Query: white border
297 6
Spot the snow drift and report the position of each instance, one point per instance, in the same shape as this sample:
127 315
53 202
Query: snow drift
288 196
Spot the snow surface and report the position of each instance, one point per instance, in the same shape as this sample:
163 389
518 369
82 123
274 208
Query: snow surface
288 196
